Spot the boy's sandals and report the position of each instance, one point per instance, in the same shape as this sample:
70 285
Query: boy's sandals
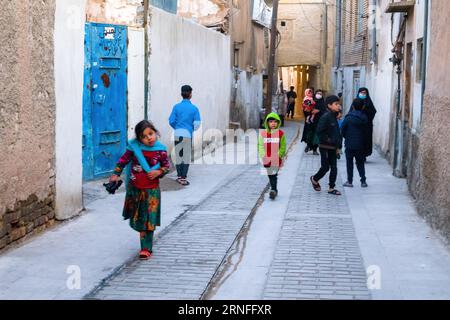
145 255
315 185
335 192
183 181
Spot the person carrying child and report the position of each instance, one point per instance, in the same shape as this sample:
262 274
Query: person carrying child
309 104
149 163
272 149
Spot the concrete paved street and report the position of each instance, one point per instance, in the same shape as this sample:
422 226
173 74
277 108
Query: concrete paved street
222 238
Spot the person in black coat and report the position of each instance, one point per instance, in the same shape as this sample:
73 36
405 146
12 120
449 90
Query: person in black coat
355 131
330 143
370 111
291 95
321 109
309 131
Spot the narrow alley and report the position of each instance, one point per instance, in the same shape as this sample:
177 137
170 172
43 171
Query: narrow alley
224 150
224 240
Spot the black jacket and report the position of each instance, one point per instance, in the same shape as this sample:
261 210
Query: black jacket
328 131
354 130
322 107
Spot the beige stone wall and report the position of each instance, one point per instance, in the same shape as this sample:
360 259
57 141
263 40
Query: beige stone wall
27 113
308 36
433 193
301 37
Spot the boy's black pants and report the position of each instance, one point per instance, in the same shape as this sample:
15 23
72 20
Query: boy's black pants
273 177
328 162
183 155
291 110
359 155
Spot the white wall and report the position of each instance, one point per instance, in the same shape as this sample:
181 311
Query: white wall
183 52
136 78
381 77
250 97
69 68
382 92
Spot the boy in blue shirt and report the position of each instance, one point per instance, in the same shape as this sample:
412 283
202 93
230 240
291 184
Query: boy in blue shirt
185 119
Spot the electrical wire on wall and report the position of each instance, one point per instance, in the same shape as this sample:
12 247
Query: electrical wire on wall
307 19
279 37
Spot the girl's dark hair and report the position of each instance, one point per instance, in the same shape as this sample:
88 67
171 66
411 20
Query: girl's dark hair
141 126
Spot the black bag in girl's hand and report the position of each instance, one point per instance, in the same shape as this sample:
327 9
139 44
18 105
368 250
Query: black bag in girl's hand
112 187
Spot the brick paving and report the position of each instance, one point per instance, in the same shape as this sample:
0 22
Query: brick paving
188 253
318 255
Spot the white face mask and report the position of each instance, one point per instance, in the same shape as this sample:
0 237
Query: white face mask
318 96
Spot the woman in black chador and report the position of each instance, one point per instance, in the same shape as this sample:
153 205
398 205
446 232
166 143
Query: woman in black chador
370 111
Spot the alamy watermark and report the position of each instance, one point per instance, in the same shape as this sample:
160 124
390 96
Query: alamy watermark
73 282
232 147
374 277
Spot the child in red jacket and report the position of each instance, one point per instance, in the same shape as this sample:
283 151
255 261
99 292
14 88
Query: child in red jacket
272 149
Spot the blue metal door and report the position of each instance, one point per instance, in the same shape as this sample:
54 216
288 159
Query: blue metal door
105 99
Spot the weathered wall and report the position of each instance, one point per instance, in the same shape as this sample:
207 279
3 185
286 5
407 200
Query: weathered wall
414 32
69 68
27 115
433 196
249 100
249 38
251 61
208 13
301 37
382 79
122 12
183 52
308 37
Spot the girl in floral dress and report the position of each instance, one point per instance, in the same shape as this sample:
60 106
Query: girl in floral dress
149 163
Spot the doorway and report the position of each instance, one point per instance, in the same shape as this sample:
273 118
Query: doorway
104 99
